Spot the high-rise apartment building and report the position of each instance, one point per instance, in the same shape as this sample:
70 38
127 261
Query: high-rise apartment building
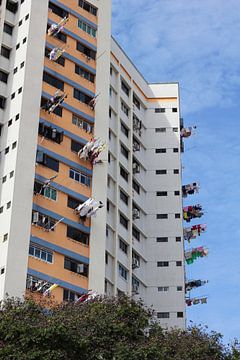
63 81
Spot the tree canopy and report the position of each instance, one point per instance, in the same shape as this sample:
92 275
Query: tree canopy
102 329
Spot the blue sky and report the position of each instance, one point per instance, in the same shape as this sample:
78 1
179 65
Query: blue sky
197 43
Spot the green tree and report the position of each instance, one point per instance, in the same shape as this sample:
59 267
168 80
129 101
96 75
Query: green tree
103 329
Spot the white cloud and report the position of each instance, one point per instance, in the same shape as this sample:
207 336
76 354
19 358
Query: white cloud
194 42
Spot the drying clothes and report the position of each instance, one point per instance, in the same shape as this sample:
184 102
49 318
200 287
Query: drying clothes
194 231
92 150
192 255
192 212
56 100
92 103
56 53
186 132
49 290
56 28
196 301
194 284
90 295
190 189
89 208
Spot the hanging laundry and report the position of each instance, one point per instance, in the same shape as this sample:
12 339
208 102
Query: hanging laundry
50 290
90 295
192 255
92 103
56 28
92 150
193 231
56 53
190 189
56 100
89 208
194 284
196 301
186 132
192 212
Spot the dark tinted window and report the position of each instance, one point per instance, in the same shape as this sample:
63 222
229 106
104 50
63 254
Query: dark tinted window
12 6
72 202
51 80
86 51
77 94
77 235
8 29
76 146
57 10
5 52
88 7
3 76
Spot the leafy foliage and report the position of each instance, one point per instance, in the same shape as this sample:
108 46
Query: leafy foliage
103 329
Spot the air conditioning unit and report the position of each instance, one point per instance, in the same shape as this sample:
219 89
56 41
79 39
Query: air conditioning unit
135 263
136 168
35 217
135 289
136 214
80 268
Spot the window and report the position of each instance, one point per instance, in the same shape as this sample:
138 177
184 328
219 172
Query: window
159 110
51 80
174 109
180 314
123 221
4 179
15 70
175 150
162 130
20 90
77 94
11 174
9 205
57 111
41 253
176 193
60 60
82 124
69 296
162 239
5 237
136 187
77 235
108 205
84 73
8 28
79 177
76 146
3 76
163 315
161 172
175 129
17 46
136 102
106 257
24 40
160 151
123 246
163 288
124 151
162 216
6 151
20 23
2 270
125 108
12 6
123 173
5 52
107 231
124 88
136 233
22 65
91 54
1 209
74 266
176 171
123 272
17 117
61 36
178 263
162 263
161 193
50 133
179 288
57 10
47 191
178 239
124 129
47 161
177 216
12 96
123 197
26 17
87 28
73 203
43 221
88 7
14 145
